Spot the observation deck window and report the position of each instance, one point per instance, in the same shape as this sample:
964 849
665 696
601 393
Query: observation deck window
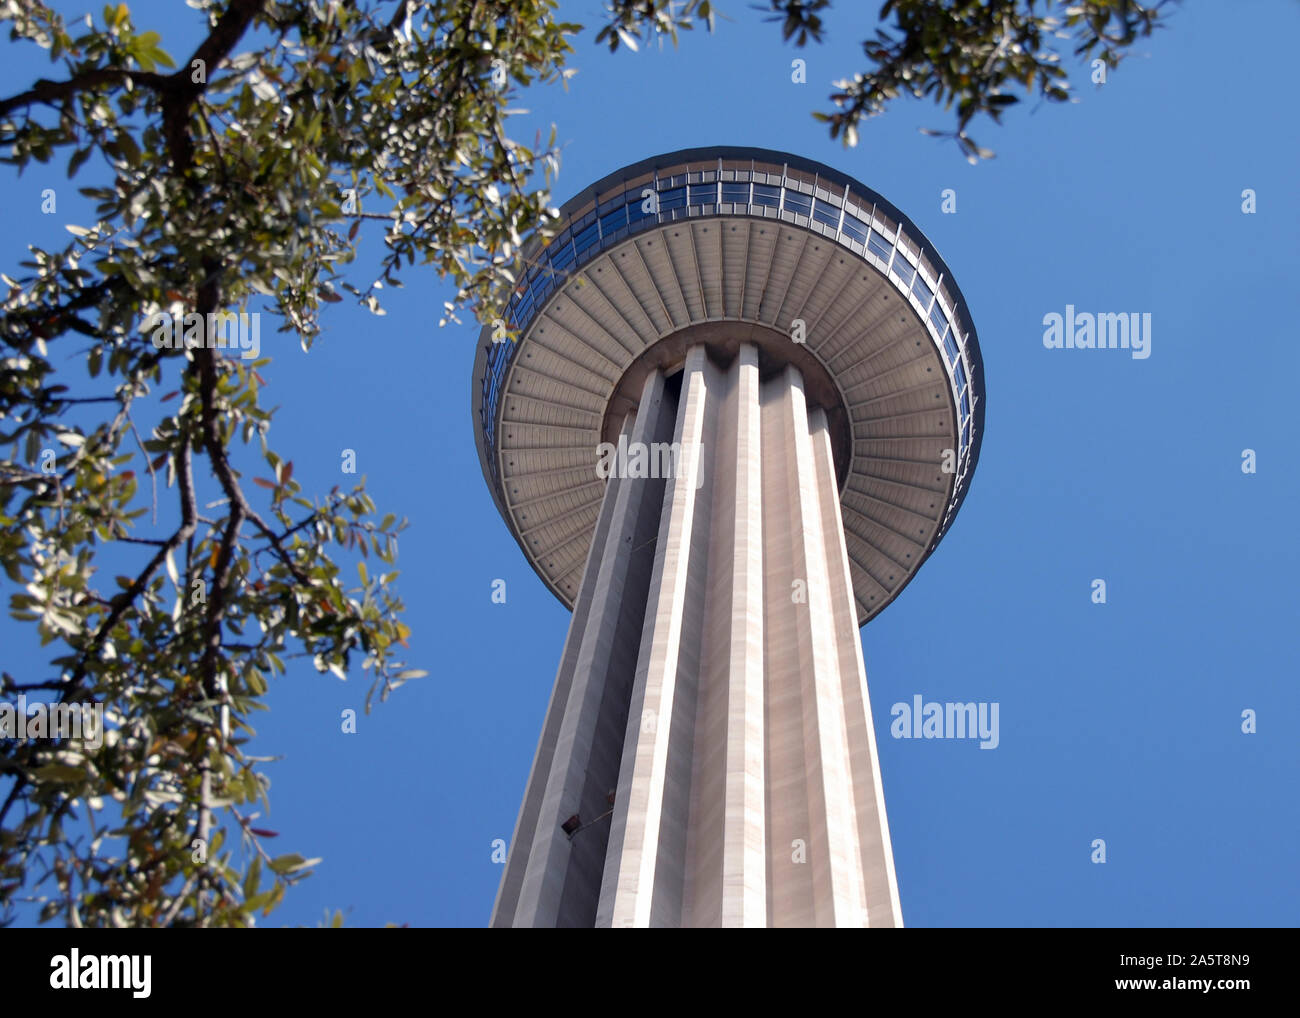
524 309
826 213
855 229
586 238
950 344
611 222
635 210
937 318
903 269
736 193
800 204
673 198
562 256
923 292
703 194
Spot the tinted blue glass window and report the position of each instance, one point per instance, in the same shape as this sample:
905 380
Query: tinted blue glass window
879 246
937 319
585 238
635 213
798 203
965 435
612 221
965 405
961 375
903 269
704 194
826 213
855 229
524 309
562 257
923 292
674 198
736 192
950 344
767 194
500 361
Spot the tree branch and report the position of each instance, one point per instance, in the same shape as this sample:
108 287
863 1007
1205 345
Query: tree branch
51 92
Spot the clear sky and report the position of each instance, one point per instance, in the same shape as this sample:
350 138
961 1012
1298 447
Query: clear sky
1119 721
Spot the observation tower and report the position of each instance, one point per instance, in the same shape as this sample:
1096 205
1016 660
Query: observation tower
739 404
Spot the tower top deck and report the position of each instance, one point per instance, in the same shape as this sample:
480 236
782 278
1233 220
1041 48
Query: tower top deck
724 245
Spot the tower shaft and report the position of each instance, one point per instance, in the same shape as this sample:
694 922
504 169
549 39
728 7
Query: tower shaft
713 680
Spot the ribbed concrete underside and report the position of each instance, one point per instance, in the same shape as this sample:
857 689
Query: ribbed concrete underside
742 275
713 681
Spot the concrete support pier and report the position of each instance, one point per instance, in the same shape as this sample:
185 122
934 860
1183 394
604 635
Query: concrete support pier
710 726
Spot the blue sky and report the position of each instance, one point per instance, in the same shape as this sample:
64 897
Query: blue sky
1119 721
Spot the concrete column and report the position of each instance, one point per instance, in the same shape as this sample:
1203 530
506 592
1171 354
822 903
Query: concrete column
804 679
727 868
713 677
877 855
550 880
645 866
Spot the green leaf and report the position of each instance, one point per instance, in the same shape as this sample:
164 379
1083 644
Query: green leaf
253 879
292 863
129 150
59 773
77 159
